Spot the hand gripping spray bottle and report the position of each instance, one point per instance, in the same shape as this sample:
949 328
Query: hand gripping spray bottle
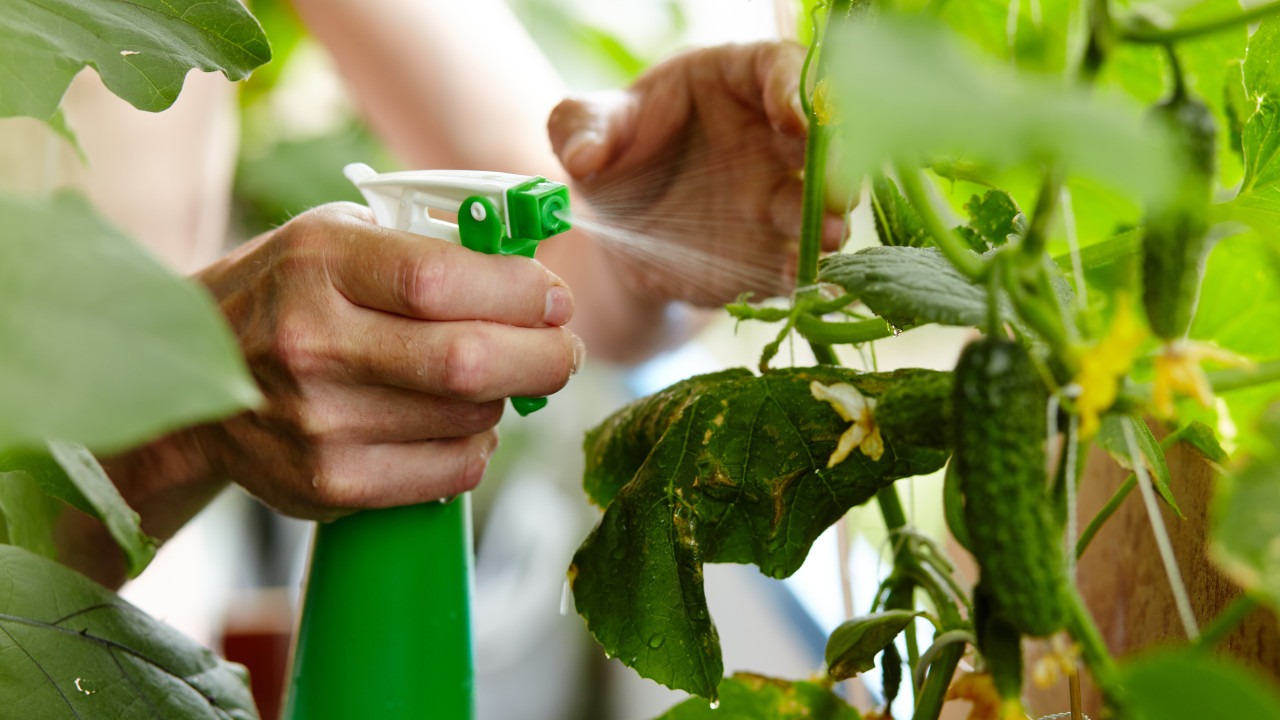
385 632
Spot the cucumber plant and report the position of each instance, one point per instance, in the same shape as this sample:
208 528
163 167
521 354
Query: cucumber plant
1117 171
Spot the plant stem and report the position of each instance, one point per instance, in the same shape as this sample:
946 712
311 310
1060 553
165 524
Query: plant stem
933 694
1196 29
964 260
1050 189
823 353
813 203
841 333
1241 378
1095 652
1105 514
902 590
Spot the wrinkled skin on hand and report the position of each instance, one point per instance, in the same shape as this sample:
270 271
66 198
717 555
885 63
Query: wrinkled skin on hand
384 357
702 159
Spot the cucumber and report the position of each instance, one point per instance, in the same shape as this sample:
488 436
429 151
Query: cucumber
1175 241
999 414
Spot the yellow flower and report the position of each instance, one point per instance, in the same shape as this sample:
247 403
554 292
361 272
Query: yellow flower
858 409
1178 371
980 690
823 110
1060 660
1103 365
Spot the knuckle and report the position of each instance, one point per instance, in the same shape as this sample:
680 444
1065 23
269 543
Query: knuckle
422 286
295 346
466 366
332 489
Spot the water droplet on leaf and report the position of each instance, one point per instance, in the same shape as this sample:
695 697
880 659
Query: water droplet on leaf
715 704
656 641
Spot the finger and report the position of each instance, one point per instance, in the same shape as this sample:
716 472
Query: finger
834 230
587 132
469 361
778 68
394 474
786 209
430 279
786 206
366 414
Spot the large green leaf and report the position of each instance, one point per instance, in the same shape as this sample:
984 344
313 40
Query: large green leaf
1260 136
1246 516
753 697
931 98
143 49
1239 295
728 467
71 648
1185 685
909 286
99 343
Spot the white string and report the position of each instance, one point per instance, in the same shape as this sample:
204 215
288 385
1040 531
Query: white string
1180 597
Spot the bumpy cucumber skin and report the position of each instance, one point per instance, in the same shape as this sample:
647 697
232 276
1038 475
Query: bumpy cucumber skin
1175 242
999 407
1000 643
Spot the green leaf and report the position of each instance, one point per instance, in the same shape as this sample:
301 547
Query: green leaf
1261 134
1120 248
1199 436
142 49
1261 141
72 648
1184 684
1111 438
1240 293
70 473
728 467
1239 107
122 522
1261 71
99 343
28 514
853 646
992 216
58 124
1245 514
753 697
896 221
909 286
931 99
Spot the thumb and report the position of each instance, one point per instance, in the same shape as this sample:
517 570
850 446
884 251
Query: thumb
588 131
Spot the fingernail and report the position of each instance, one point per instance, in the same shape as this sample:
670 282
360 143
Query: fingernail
574 155
579 353
559 306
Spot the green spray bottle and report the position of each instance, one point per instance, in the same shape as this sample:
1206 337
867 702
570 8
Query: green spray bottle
385 631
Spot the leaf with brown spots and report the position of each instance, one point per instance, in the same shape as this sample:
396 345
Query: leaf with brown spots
728 467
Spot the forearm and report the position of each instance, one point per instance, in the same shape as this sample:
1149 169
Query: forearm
166 482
